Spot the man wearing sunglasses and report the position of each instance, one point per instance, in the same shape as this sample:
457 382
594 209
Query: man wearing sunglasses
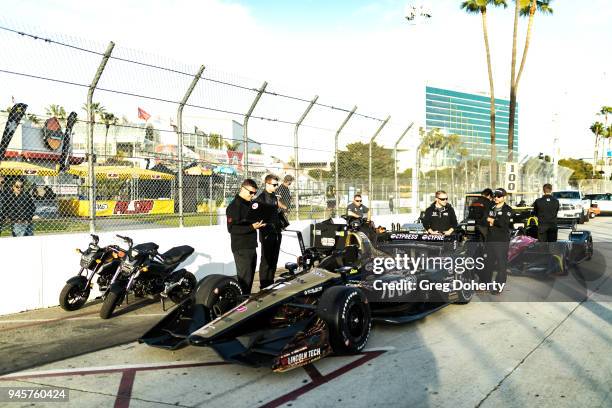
270 235
498 238
357 209
440 216
244 234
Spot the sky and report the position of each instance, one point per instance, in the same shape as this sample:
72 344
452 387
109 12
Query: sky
349 53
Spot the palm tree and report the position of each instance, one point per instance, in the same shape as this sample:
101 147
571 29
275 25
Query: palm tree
33 119
57 111
108 119
523 8
232 146
435 142
96 110
480 6
598 130
604 111
215 141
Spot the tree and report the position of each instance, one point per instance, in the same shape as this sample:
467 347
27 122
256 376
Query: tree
57 111
96 109
435 142
604 111
33 119
582 170
232 146
215 141
480 6
108 119
523 8
351 163
598 130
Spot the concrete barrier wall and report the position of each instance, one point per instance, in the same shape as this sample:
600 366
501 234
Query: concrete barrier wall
34 269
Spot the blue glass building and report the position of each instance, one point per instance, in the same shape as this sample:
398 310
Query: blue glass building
468 115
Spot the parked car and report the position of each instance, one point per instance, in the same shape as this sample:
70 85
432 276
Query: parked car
574 205
602 202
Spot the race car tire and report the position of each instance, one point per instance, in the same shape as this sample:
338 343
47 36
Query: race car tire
347 314
592 214
465 296
218 294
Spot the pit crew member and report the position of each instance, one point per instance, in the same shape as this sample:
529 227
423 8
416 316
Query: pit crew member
440 216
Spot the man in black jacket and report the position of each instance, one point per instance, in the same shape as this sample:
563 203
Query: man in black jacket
498 238
546 209
18 209
243 234
270 235
479 211
440 217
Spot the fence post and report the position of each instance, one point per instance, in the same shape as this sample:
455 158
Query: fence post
380 128
348 117
296 155
90 137
396 185
179 122
245 128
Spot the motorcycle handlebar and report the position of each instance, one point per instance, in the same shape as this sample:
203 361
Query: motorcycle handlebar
126 239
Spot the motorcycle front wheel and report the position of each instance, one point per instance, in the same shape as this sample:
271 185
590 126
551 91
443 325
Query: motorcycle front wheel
73 296
114 297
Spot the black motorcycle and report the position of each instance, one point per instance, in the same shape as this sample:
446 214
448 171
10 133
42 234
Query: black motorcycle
95 260
145 272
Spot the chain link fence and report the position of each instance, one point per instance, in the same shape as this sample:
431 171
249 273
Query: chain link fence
114 138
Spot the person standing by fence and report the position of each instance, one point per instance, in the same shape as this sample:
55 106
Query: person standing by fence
285 194
270 235
18 209
243 234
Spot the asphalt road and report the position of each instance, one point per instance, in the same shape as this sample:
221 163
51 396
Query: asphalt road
484 354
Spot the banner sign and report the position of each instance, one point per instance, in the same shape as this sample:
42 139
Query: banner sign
511 183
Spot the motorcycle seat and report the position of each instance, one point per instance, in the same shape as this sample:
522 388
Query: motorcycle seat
177 254
146 247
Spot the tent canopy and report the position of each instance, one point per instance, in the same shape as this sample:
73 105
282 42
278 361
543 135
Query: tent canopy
15 168
120 173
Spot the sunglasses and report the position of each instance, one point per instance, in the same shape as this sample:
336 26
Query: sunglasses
273 184
250 191
357 201
18 187
442 198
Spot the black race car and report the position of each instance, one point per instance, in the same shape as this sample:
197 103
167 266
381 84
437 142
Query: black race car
325 303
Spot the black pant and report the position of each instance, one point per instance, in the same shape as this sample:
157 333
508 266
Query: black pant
246 261
270 248
497 260
547 233
483 232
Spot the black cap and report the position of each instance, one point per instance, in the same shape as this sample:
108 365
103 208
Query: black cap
499 192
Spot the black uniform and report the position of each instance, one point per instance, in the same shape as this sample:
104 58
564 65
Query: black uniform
270 237
244 241
440 219
546 209
479 211
498 241
361 211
